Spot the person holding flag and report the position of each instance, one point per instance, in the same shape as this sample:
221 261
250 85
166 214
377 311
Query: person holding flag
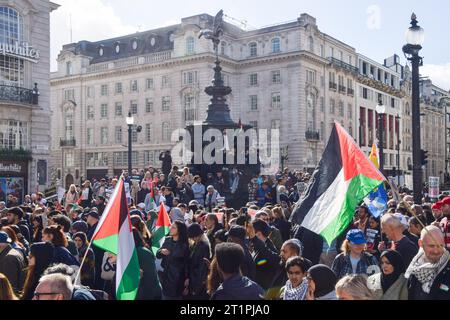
114 235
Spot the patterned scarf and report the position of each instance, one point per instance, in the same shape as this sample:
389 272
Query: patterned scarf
425 271
299 293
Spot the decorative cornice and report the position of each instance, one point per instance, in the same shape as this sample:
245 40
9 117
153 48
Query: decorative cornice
380 86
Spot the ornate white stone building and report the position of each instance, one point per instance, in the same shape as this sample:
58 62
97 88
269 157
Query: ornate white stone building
290 76
24 96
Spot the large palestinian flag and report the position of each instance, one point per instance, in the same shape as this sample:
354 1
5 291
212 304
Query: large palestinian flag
114 234
342 179
162 227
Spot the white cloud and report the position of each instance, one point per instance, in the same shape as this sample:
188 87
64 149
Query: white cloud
439 74
92 20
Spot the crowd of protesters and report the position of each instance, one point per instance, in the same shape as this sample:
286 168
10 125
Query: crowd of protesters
214 251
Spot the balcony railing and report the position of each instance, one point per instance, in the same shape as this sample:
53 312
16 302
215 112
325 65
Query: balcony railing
312 135
342 89
67 142
341 64
18 94
350 92
333 85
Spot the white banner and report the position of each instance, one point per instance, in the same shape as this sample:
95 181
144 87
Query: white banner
61 192
433 187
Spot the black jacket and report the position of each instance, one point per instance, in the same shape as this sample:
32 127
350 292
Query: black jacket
141 195
238 288
24 229
440 289
284 226
175 267
198 269
248 266
266 260
312 244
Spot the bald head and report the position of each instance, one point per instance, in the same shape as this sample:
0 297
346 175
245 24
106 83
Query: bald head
432 232
432 243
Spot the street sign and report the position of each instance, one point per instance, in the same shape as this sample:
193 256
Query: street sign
433 189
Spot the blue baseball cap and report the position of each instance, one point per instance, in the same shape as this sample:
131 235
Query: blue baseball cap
356 236
4 238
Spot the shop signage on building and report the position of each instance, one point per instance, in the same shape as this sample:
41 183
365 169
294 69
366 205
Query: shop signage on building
24 51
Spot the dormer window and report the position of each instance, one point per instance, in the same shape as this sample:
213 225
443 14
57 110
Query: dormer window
117 47
101 51
152 41
134 44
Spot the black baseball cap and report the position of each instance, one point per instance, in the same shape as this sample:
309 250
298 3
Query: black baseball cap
237 232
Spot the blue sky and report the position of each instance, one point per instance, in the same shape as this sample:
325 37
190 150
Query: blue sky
375 28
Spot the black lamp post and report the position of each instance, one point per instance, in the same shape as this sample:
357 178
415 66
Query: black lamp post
130 123
381 110
284 156
397 117
414 38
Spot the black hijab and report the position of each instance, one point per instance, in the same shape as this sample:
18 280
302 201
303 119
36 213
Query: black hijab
324 278
396 260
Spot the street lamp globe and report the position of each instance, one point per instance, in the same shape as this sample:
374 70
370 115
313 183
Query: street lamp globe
415 35
130 119
381 108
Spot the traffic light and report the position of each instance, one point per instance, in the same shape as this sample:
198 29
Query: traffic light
424 157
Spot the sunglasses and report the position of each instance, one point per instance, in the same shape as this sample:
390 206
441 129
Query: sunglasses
39 294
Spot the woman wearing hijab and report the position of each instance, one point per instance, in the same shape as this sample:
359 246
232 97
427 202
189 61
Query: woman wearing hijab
321 283
87 274
390 283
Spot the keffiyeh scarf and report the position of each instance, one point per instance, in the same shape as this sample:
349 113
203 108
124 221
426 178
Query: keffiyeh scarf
299 293
425 271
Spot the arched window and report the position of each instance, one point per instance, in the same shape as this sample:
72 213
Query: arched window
190 45
311 44
165 131
11 31
276 45
253 48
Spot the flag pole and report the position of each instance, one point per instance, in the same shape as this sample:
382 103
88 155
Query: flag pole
90 242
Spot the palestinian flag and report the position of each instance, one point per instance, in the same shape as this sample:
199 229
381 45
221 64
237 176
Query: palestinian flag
343 178
114 235
161 228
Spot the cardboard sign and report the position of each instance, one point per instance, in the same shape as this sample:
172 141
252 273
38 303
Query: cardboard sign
433 190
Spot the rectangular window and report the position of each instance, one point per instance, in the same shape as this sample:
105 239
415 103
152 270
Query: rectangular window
276 100
134 86
104 90
90 92
166 103
133 107
365 93
254 102
350 111
341 108
275 124
69 94
332 106
97 159
134 133
149 83
322 104
90 112
276 76
189 77
149 105
362 127
118 87
104 111
90 136
148 133
310 76
254 124
165 82
149 158
118 109
118 134
253 79
104 135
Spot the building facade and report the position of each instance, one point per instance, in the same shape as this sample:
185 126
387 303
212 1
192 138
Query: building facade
291 77
24 96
